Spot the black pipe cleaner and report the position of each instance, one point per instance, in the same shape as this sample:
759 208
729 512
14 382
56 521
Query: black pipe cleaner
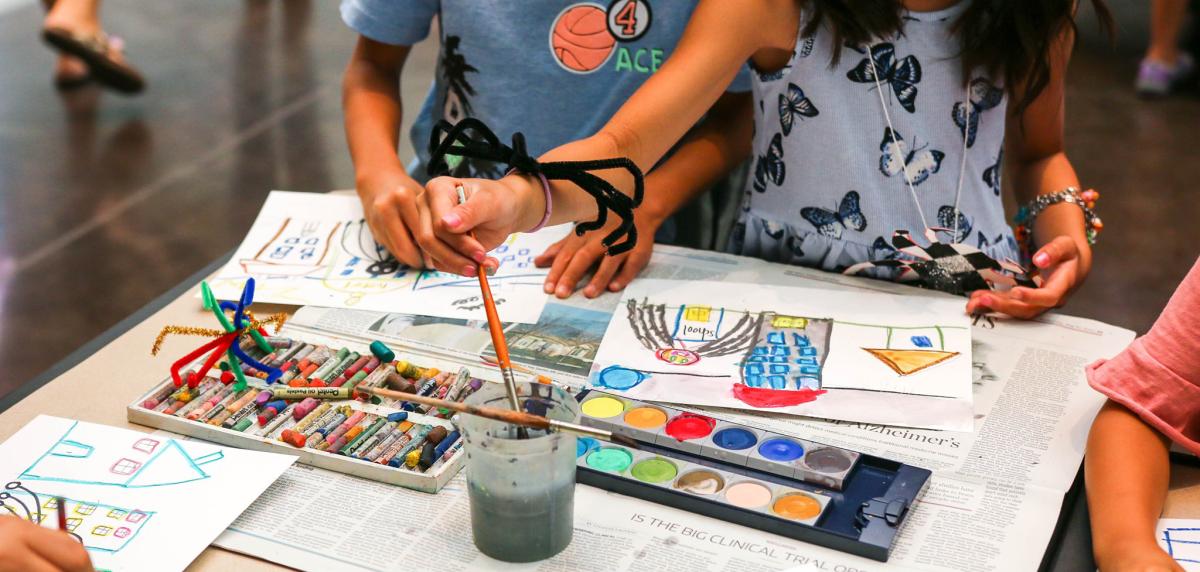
471 139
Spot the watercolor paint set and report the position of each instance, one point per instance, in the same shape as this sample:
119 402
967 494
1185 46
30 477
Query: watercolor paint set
318 411
816 493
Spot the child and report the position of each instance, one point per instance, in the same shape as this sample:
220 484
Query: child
554 70
1154 398
28 546
865 123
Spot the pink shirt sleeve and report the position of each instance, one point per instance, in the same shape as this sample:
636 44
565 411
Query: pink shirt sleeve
1158 375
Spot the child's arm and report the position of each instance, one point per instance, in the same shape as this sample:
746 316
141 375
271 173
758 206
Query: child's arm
710 151
719 39
371 102
1039 165
1127 472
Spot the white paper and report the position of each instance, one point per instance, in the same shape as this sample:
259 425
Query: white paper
1180 537
136 501
703 343
316 249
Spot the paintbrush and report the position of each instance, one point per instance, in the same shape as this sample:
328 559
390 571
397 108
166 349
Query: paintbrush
518 418
495 326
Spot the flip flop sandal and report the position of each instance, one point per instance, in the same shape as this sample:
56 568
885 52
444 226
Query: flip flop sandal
94 51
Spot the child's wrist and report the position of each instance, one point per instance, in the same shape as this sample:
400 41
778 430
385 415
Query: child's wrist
530 198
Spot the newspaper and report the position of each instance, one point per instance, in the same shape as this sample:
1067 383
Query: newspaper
992 503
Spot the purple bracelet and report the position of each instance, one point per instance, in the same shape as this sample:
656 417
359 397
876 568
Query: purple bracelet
549 201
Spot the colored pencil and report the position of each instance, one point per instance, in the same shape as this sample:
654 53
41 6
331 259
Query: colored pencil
518 418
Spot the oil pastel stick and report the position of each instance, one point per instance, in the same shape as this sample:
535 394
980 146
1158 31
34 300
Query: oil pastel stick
399 432
242 424
366 435
345 426
206 394
283 392
397 445
162 393
417 440
446 456
278 420
373 441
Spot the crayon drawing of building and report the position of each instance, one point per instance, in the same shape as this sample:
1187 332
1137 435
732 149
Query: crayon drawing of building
145 462
100 527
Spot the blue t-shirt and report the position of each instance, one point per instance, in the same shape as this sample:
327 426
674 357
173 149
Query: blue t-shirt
554 70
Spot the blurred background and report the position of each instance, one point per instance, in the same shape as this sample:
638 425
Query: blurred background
108 201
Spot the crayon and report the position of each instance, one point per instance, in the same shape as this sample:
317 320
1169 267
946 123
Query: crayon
400 383
345 426
285 356
242 424
308 405
382 352
341 442
162 393
331 425
236 406
399 432
365 436
226 399
304 421
246 411
350 370
207 392
319 422
270 411
273 424
397 416
435 436
412 458
262 398
418 438
398 445
368 446
293 438
274 431
456 447
355 380
313 393
371 364
279 342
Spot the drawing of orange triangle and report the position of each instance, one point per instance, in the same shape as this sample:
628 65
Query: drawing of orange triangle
905 362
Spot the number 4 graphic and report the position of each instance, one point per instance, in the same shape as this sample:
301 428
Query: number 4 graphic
629 20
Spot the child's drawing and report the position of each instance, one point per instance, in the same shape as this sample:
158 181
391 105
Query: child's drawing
99 527
136 501
316 249
145 462
788 349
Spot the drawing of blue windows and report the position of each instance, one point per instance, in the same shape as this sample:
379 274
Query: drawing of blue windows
779 368
1182 544
754 369
777 381
762 350
146 462
922 341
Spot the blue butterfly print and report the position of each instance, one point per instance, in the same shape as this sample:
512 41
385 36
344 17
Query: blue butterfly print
794 105
983 96
793 243
902 75
882 250
770 167
985 243
772 229
918 164
991 175
946 219
849 215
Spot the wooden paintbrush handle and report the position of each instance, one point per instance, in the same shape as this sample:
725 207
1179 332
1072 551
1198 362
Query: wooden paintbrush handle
505 415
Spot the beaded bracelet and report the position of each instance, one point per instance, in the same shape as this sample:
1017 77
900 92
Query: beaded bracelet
1085 200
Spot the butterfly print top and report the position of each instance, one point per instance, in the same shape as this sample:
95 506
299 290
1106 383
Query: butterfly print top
828 175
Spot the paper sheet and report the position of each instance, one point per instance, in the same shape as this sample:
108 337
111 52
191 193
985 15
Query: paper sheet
135 501
851 356
316 249
1180 537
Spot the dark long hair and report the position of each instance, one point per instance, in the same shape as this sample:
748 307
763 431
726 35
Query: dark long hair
1012 39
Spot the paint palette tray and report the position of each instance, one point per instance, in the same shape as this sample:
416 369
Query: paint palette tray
830 496
150 409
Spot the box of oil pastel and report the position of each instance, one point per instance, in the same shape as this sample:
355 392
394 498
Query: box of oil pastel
313 407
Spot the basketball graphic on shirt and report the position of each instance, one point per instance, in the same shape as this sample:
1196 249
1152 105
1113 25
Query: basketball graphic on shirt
580 39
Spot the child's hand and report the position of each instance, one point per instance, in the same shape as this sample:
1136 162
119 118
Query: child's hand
27 546
389 202
570 258
1061 264
493 211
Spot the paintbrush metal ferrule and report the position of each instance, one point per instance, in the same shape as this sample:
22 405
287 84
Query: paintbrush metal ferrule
592 432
